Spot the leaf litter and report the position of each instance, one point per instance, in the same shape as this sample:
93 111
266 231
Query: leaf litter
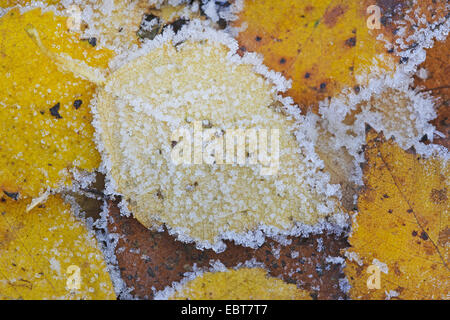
411 98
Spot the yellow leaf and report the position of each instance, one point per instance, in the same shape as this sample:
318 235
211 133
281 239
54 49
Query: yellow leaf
241 284
38 248
44 130
402 226
323 46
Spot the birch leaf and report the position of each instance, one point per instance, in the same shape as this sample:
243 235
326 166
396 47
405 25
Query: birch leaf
38 247
402 226
46 121
242 284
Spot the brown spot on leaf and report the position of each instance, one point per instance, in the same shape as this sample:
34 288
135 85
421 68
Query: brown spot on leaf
309 9
54 111
397 269
424 236
351 42
12 195
331 16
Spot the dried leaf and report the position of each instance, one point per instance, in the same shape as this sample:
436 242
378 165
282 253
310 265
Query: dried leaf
402 225
43 133
38 247
242 284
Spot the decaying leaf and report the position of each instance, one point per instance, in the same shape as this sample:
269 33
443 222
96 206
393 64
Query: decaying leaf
324 47
433 77
151 259
402 225
242 284
46 122
43 252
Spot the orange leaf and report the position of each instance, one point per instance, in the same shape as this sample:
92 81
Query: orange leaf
323 46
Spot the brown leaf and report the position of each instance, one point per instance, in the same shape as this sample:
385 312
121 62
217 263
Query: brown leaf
438 85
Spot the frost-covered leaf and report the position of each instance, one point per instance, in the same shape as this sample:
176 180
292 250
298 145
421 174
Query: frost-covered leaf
149 259
164 88
242 284
388 105
38 247
402 225
46 121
